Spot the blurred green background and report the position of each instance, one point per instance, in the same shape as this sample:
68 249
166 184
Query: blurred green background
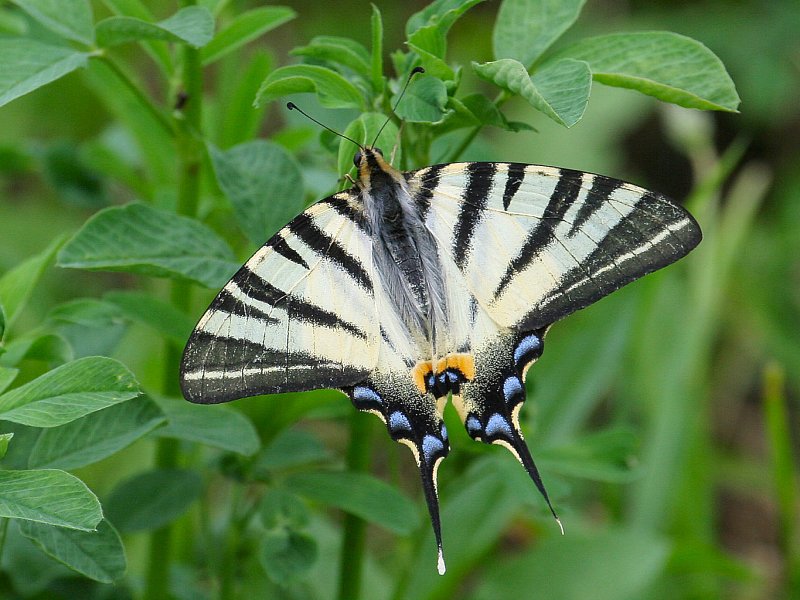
664 418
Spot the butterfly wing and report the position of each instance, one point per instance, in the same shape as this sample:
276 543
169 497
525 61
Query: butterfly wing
299 315
527 245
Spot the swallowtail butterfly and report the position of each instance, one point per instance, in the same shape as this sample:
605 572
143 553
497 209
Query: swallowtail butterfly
412 287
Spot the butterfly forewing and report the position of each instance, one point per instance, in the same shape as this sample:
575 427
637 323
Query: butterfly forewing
544 242
299 315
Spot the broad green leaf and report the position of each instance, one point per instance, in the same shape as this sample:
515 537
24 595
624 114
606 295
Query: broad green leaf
263 183
524 29
28 65
364 129
135 8
611 565
333 90
192 25
5 438
280 508
152 499
12 23
666 65
487 113
35 345
425 101
217 426
138 238
7 376
95 436
71 19
442 13
17 284
90 327
338 50
245 28
359 494
287 555
291 448
49 496
154 312
238 121
69 392
560 90
98 555
74 181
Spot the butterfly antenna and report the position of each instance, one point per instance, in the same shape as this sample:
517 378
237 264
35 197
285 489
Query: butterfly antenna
293 106
414 71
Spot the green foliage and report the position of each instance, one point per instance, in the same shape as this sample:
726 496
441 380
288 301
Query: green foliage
156 155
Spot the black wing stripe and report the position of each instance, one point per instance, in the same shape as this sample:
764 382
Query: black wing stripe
344 208
228 303
427 184
279 244
599 193
258 289
565 193
480 177
516 174
324 245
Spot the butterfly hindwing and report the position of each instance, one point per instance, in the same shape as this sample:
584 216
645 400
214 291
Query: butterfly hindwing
299 315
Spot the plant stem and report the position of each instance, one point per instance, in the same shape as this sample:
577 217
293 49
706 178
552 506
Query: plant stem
353 536
189 149
3 529
157 114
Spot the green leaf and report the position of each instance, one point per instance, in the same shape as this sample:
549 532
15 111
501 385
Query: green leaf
291 448
238 121
35 345
98 555
287 555
69 392
152 499
217 426
359 494
17 285
338 50
487 113
7 376
524 29
49 496
138 238
71 19
2 322
94 437
424 101
193 25
279 508
12 23
263 183
560 90
333 90
5 438
153 312
75 182
614 564
602 456
28 65
364 129
244 28
666 65
442 13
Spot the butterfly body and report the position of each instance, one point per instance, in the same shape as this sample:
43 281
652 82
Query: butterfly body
414 287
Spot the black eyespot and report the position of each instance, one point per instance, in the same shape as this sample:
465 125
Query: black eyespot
357 158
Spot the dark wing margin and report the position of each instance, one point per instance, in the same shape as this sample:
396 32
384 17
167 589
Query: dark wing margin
299 315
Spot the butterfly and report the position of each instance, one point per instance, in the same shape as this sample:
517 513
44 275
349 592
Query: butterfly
413 287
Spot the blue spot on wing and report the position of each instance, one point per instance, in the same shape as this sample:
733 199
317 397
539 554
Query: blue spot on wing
512 387
527 344
473 425
398 421
497 424
365 394
431 445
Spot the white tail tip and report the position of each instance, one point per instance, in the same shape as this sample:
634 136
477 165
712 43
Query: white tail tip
441 566
560 526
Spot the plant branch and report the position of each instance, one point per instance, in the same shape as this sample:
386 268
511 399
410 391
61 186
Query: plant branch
471 135
354 531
